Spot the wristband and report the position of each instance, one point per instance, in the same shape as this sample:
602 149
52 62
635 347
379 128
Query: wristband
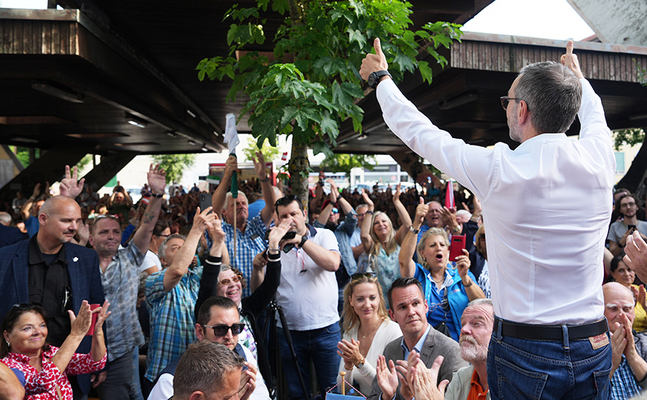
267 178
304 239
157 196
413 230
471 283
369 212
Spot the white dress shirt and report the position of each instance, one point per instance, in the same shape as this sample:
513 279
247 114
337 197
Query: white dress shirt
546 206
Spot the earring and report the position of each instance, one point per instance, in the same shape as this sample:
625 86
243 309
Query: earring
8 344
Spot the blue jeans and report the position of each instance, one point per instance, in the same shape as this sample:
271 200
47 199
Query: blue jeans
546 369
318 345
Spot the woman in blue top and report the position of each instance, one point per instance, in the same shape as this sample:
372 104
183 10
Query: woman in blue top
447 290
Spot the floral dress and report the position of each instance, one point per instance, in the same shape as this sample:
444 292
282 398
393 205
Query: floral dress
387 269
50 383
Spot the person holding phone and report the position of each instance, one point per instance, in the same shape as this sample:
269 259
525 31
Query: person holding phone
447 290
627 206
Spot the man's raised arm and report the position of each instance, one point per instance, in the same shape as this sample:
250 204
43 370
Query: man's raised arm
157 183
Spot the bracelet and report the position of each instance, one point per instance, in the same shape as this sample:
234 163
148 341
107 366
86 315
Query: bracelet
157 196
369 212
413 230
457 229
267 178
471 283
277 250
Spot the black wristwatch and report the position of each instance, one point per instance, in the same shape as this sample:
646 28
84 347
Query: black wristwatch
374 78
304 239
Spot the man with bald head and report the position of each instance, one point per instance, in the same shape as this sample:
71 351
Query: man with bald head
629 371
51 271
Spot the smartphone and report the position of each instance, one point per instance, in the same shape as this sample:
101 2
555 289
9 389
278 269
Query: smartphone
631 227
205 201
456 247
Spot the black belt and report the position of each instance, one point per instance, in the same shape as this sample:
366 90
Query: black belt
549 332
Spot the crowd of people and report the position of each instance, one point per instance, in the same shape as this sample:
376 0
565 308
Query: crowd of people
163 299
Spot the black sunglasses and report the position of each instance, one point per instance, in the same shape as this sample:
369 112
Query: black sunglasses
222 329
505 100
368 275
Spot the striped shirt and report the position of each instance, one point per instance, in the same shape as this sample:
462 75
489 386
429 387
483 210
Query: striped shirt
120 283
172 318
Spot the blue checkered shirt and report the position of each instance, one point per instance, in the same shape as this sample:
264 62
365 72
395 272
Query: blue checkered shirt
172 318
248 244
120 284
623 382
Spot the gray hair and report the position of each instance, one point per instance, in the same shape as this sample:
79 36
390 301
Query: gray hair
478 302
360 206
5 218
553 94
203 367
161 252
229 197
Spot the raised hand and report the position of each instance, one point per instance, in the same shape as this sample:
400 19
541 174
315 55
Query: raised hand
424 381
215 229
570 60
463 264
103 314
449 217
156 179
259 165
277 232
247 382
367 199
80 324
421 211
387 377
70 185
202 219
398 192
374 62
333 190
636 255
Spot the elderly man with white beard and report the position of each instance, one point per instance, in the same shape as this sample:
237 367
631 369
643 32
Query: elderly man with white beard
467 382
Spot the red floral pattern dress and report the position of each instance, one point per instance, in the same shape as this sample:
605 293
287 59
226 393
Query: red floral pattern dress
46 384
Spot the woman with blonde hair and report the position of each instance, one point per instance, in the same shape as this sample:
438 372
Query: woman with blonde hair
447 290
381 242
367 330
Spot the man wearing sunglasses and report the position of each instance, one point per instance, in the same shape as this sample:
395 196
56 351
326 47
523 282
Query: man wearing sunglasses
545 258
218 322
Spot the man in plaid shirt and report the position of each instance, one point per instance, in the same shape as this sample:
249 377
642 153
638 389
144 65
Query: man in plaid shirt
249 235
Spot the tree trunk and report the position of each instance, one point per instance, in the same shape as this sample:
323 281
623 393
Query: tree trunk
636 172
298 168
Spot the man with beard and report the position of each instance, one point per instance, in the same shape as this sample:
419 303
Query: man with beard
544 254
620 230
468 382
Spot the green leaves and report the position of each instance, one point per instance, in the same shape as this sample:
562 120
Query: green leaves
313 83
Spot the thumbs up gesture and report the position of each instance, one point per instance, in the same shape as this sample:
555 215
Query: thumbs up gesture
374 62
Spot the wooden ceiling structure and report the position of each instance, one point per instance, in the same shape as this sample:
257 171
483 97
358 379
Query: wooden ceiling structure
71 79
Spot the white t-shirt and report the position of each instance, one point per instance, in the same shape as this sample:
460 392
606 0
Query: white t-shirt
150 260
308 293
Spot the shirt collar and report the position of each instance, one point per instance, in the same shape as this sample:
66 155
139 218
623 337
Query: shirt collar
418 346
475 383
531 144
36 256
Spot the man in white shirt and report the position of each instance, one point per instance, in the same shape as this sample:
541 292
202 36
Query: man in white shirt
218 322
308 296
545 256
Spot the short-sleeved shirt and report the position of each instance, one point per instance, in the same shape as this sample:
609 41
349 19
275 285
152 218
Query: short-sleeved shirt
120 283
308 293
618 229
172 318
248 244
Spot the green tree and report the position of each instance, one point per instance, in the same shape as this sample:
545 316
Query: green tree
311 84
269 152
84 161
346 162
174 165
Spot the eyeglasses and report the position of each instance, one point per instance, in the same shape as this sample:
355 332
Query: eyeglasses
236 278
222 329
505 100
628 205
